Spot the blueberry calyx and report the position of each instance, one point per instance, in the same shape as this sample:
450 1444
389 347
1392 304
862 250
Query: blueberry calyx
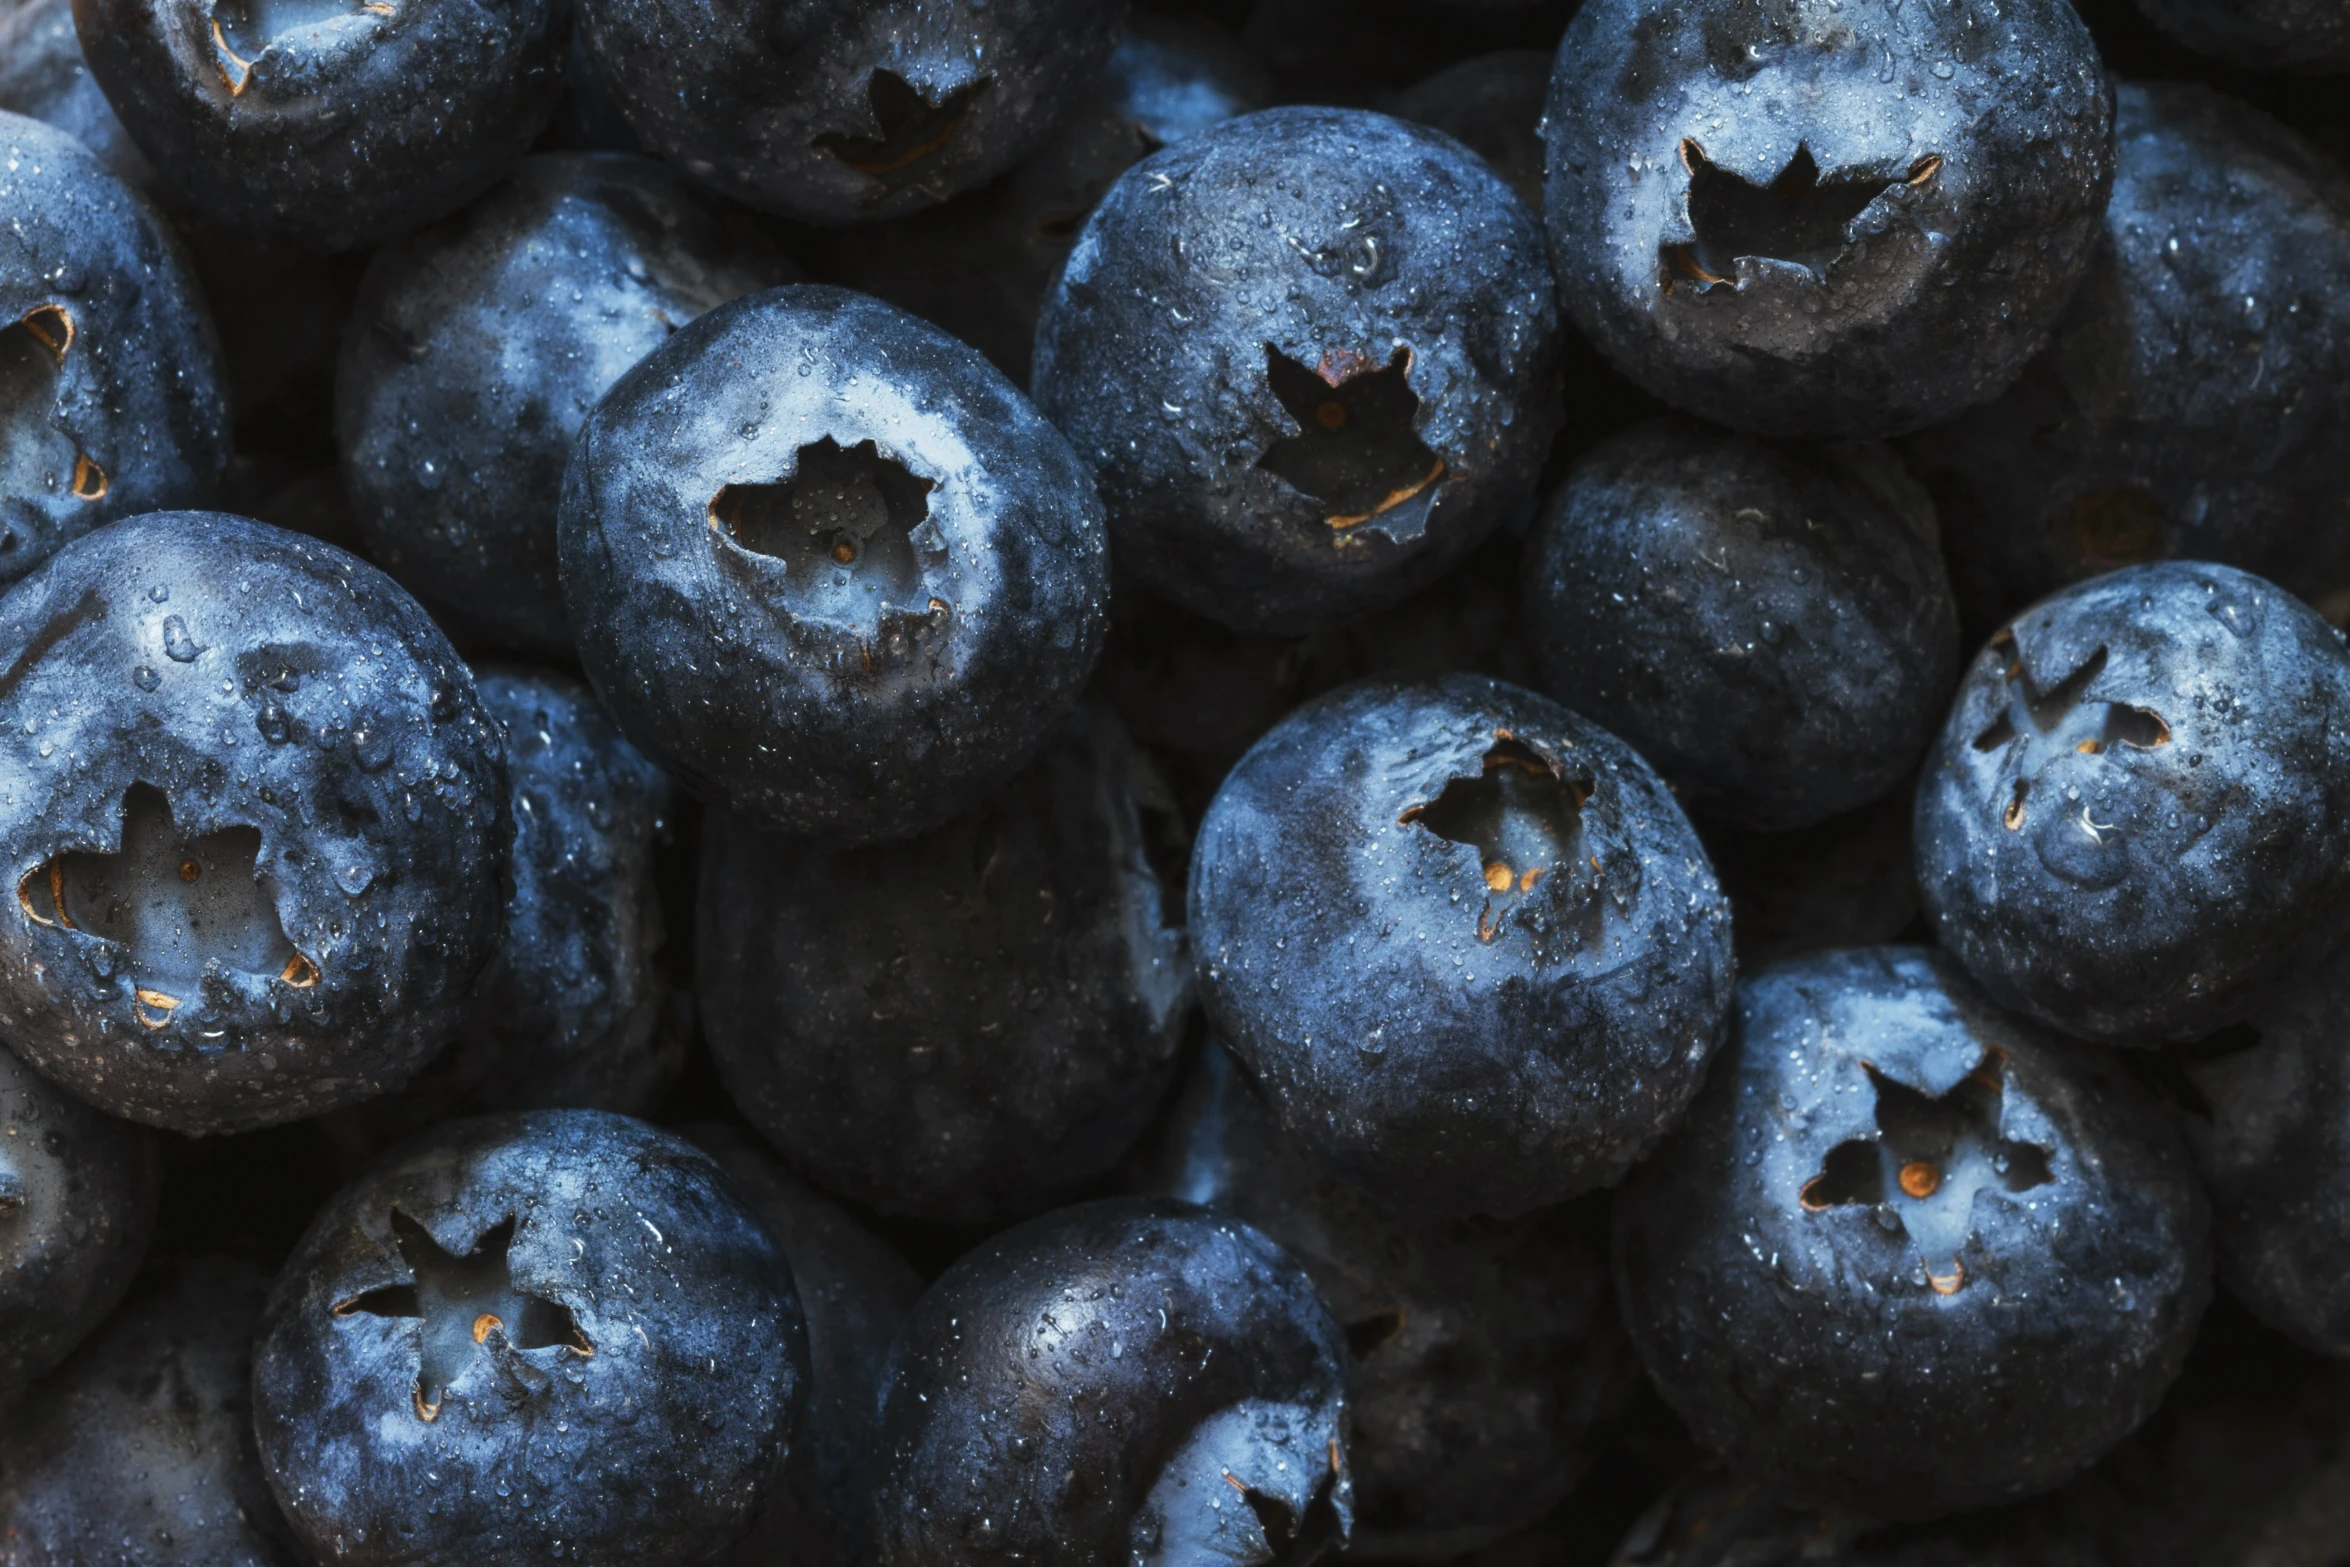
2039 724
1799 219
1356 450
913 130
179 904
1935 1152
462 1300
1521 813
33 352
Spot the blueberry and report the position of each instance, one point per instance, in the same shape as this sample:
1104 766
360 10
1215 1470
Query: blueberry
2273 1145
842 111
1770 625
254 819
1800 223
1464 938
966 1026
556 1333
576 1011
1909 1255
479 347
327 123
1491 104
1312 356
2306 36
2196 399
1132 1379
77 1204
828 567
140 1452
110 395
1488 1363
980 265
43 75
2138 813
855 1290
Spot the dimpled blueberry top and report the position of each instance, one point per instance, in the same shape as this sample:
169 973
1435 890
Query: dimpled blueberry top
828 567
1464 938
1824 217
253 818
324 122
2138 812
554 1334
110 381
1311 355
843 111
1910 1255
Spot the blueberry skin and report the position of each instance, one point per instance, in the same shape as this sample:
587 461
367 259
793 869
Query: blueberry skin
2168 417
2311 37
1491 104
1488 1364
140 1453
864 710
335 127
655 1445
1770 625
198 690
110 378
1450 1039
1112 1382
844 111
1964 1353
1962 155
1353 246
480 345
2138 813
43 76
77 1206
575 1011
855 1289
2272 1147
966 1026
980 266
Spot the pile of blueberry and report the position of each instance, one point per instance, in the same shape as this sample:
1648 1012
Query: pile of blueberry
918 783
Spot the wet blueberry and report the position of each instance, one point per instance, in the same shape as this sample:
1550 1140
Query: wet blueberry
1134 1380
478 349
967 1025
1770 625
1487 1361
331 123
254 820
1464 938
110 380
1799 222
980 265
828 567
2138 813
1312 356
528 1336
139 1453
1491 104
2273 1143
577 1010
2196 399
1909 1255
43 75
854 1290
77 1204
843 111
